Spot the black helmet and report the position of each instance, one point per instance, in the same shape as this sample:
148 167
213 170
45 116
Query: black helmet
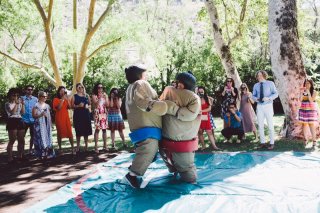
187 79
134 73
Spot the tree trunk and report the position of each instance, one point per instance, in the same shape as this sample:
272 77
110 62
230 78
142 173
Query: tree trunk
52 56
286 60
91 29
221 46
75 55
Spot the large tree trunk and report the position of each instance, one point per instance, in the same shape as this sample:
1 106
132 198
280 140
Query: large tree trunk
52 56
286 60
221 46
51 52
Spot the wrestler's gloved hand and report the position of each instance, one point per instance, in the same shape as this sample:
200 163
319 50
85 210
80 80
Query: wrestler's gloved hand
172 107
159 108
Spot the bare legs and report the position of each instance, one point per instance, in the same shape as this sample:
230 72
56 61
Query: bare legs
13 136
104 138
113 134
312 130
201 139
85 143
210 136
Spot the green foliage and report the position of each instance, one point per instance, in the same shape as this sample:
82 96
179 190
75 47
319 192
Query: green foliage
168 37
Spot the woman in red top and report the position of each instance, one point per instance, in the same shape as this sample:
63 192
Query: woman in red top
60 105
205 119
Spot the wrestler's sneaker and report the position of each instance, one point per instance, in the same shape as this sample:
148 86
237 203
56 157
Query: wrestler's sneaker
133 181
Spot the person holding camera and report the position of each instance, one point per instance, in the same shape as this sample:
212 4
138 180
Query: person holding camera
15 126
42 131
100 102
246 110
232 123
115 120
81 105
308 113
229 95
60 105
205 125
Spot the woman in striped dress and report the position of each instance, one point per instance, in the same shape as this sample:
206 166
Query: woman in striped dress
115 120
308 114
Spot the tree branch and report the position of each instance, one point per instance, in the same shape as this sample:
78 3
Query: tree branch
103 46
25 41
20 62
239 28
14 41
43 52
23 64
50 11
40 9
103 16
226 19
91 13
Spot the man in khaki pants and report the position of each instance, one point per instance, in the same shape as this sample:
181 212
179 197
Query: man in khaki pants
144 113
180 127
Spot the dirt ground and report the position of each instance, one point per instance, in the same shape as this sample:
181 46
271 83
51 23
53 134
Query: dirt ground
26 183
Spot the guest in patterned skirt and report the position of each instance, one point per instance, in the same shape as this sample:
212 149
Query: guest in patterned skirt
42 130
115 121
308 114
100 103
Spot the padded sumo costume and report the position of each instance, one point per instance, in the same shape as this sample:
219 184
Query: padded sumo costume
144 113
180 128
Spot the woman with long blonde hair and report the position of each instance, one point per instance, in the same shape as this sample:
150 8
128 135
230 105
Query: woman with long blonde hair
81 105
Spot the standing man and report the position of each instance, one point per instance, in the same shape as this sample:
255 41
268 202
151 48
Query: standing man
29 102
264 92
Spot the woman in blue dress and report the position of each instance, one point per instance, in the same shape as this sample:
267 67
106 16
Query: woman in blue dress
81 105
42 131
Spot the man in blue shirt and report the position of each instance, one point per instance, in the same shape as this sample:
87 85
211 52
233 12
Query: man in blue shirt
232 123
29 102
264 92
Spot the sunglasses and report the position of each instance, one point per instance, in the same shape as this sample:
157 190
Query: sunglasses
29 89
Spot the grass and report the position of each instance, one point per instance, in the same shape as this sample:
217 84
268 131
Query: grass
249 144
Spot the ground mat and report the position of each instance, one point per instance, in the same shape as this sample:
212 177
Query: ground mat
227 182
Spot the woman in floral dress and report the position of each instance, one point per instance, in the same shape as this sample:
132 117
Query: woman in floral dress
100 103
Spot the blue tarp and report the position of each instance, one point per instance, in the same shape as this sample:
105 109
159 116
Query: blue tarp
227 182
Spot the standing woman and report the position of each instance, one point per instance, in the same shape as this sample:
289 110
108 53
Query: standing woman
15 126
81 104
115 121
246 110
308 114
229 95
205 119
60 105
100 102
42 135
